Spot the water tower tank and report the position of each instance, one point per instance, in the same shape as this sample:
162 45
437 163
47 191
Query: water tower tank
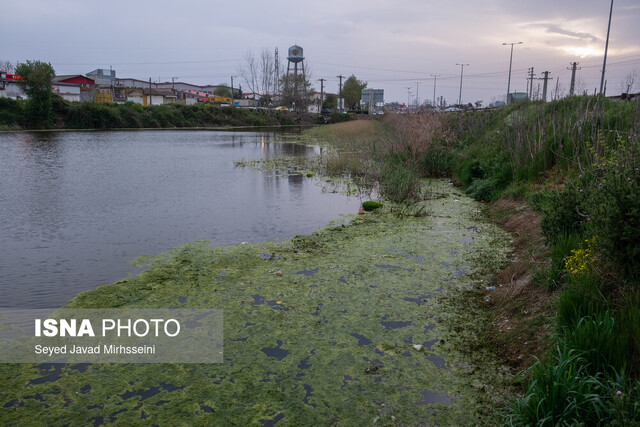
295 54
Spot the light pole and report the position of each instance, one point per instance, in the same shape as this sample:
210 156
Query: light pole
461 72
510 61
606 47
435 78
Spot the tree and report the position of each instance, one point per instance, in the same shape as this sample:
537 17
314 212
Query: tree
296 91
330 101
37 78
259 74
630 82
222 90
6 67
352 92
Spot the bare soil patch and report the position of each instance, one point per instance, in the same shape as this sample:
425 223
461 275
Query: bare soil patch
522 311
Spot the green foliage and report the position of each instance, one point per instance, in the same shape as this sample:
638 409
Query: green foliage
581 297
564 212
330 101
556 275
295 90
614 206
222 90
339 117
371 205
560 393
11 113
437 163
352 92
596 337
36 84
400 179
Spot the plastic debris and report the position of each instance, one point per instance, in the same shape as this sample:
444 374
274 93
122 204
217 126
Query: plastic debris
491 288
417 347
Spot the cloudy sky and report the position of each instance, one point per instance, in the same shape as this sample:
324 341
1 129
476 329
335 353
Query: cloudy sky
395 45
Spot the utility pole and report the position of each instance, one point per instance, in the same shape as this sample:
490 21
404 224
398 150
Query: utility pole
555 95
277 72
417 98
510 62
340 99
321 93
173 83
408 97
530 82
232 104
150 101
573 69
544 86
435 78
461 72
606 47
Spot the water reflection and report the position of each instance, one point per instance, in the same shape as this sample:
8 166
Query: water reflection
75 206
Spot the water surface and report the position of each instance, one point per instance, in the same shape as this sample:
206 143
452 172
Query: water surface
74 207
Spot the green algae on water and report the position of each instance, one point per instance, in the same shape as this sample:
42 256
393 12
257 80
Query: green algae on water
358 323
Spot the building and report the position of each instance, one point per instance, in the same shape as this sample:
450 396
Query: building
74 88
103 77
9 87
517 97
372 99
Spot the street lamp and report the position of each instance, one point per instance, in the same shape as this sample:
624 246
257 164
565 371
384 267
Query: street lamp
461 72
510 61
408 97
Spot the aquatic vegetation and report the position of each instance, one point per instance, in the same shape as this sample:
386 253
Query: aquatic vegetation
320 329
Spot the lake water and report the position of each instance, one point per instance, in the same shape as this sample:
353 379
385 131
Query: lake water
74 207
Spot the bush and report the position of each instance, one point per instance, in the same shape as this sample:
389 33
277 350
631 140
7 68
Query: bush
614 209
371 205
564 212
400 179
11 112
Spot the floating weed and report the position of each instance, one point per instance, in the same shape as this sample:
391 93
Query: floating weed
301 348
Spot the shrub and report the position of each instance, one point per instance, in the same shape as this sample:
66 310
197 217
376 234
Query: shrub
614 208
564 212
400 179
371 205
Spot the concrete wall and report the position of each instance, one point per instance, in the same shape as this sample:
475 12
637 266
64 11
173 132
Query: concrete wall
68 93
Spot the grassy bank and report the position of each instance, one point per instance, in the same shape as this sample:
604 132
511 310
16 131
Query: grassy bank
92 115
564 178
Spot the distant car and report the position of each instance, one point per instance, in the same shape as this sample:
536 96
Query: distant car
282 108
327 111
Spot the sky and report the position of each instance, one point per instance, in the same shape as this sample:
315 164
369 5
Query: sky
395 45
